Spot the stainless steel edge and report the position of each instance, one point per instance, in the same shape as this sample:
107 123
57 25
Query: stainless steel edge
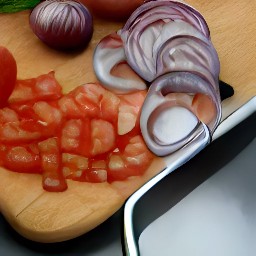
235 118
174 161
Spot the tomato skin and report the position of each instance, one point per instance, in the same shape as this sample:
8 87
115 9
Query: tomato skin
112 9
8 75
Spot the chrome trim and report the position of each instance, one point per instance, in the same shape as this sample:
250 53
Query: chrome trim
235 118
173 162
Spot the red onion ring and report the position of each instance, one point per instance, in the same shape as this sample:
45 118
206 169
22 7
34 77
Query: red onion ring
159 100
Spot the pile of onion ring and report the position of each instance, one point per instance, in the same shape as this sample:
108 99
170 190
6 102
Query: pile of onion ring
165 45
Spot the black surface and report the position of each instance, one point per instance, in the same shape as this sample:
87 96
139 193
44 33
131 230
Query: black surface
226 90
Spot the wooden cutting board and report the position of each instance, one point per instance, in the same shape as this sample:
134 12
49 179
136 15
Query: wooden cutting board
50 217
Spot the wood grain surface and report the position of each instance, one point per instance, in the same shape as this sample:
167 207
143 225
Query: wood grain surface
51 217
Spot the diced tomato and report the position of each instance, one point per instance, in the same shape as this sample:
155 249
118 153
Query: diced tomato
73 166
48 114
23 91
103 136
98 164
47 87
76 137
44 87
8 75
69 107
25 111
53 179
22 159
70 138
96 176
109 105
8 115
88 98
127 118
137 155
74 161
89 135
16 133
132 162
39 117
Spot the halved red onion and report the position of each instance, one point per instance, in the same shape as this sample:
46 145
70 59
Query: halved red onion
111 68
168 118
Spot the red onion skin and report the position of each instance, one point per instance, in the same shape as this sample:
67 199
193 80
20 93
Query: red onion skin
156 15
199 21
67 28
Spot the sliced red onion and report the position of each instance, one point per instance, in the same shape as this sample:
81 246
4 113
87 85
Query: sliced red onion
153 11
107 55
184 49
157 51
162 22
168 42
168 120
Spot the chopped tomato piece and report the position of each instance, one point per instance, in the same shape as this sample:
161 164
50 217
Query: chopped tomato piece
127 118
23 91
47 87
132 162
74 165
71 133
8 115
75 137
136 154
46 113
69 107
109 105
96 176
16 132
44 87
24 111
103 136
98 164
22 159
53 179
88 98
